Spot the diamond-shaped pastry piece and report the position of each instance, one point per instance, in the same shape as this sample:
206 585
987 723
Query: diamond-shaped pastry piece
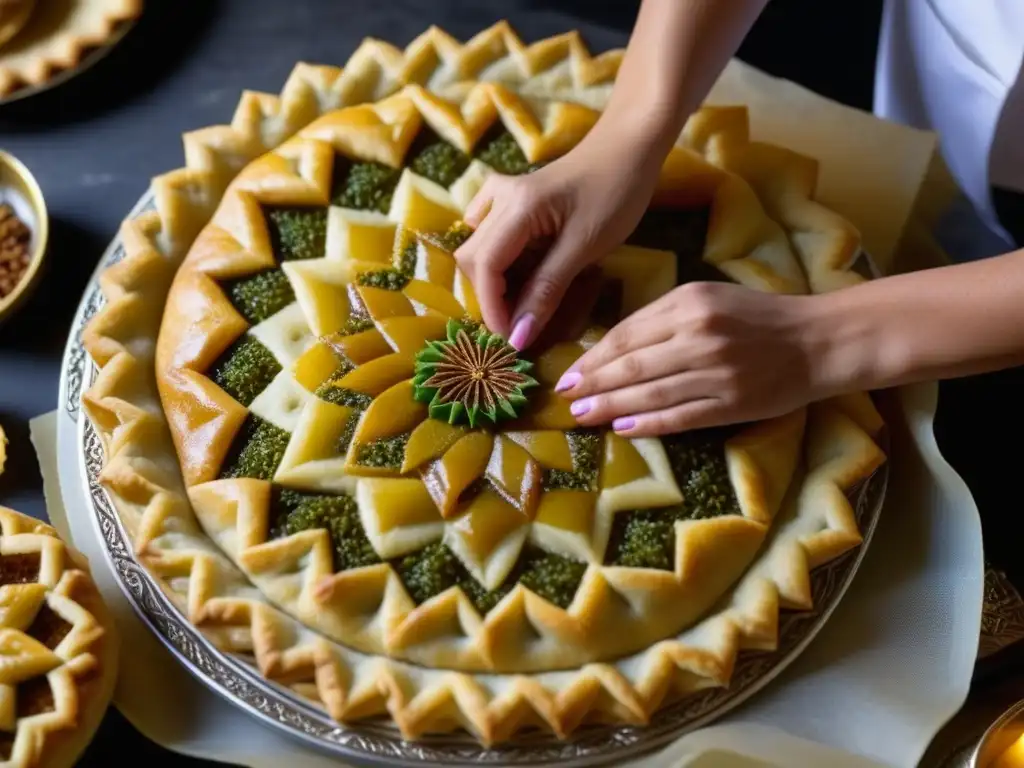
434 266
377 375
429 441
488 537
281 402
381 304
363 237
286 334
410 334
549 447
321 289
622 462
420 204
515 475
398 514
392 413
567 523
430 297
460 466
315 457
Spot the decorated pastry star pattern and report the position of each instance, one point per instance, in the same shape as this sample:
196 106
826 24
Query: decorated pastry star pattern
484 487
386 292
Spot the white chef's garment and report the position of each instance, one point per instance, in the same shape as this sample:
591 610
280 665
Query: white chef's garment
955 67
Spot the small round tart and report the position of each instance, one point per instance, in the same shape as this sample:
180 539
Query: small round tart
330 463
53 37
58 647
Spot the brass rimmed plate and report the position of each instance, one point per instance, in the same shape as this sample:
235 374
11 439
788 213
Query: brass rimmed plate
235 677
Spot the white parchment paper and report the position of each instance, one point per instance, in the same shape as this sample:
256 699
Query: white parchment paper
890 668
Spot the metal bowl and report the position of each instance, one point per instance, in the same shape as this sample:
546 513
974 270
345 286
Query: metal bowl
999 737
19 189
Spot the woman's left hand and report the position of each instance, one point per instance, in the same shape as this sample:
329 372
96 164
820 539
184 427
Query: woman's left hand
704 355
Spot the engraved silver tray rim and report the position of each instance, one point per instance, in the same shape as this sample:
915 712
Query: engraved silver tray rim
378 743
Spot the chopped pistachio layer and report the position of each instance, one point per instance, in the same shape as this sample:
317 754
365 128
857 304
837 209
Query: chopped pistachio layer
365 186
257 450
298 233
338 515
245 370
646 538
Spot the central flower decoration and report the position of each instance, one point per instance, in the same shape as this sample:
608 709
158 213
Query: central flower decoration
471 376
467 468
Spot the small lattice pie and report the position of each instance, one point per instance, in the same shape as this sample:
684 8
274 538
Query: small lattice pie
58 647
53 37
329 462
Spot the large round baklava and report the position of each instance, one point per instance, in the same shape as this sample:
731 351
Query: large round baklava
329 461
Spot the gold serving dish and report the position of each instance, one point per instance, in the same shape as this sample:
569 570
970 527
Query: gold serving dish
19 190
1002 745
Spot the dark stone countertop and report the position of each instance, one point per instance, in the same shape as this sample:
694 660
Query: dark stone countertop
94 142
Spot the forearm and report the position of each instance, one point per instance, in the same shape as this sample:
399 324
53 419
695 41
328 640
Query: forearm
936 324
676 53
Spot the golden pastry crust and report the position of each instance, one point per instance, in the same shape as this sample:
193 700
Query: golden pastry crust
56 36
13 15
746 235
58 644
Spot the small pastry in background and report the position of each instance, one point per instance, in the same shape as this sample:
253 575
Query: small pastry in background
13 15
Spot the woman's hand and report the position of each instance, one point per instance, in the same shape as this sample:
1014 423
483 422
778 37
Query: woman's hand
704 355
576 209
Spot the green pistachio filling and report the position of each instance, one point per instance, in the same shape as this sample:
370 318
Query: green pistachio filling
347 433
435 568
338 515
503 154
684 232
553 577
389 279
386 453
365 186
585 446
355 324
298 233
343 396
646 538
407 259
456 235
437 160
260 296
245 370
257 451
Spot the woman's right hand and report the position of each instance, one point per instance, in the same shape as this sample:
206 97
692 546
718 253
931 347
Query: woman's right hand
577 209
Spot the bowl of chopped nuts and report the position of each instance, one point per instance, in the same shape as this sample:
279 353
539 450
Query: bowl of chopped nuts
24 230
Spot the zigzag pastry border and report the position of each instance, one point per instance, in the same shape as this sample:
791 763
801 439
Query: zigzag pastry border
63 51
143 474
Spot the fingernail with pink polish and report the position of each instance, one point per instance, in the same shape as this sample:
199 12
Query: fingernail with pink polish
623 424
522 331
581 407
569 380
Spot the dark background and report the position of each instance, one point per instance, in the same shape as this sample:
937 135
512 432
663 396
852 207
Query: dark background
94 142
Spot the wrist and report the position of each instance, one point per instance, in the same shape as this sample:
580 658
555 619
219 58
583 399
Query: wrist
845 346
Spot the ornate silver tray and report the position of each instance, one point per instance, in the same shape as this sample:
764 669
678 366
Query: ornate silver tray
378 743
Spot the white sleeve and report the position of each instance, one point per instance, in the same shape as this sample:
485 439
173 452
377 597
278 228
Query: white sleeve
949 66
